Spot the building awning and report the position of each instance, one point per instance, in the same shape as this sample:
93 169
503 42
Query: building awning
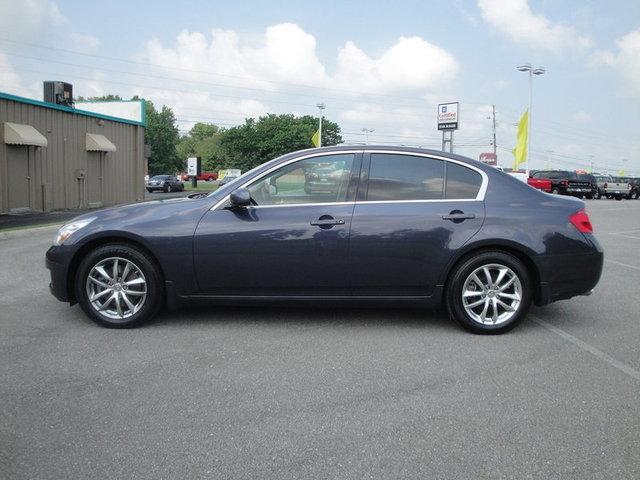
99 143
20 134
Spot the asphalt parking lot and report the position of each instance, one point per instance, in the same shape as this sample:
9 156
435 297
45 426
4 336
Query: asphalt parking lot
322 393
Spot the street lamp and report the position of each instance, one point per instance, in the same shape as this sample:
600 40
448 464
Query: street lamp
526 67
321 107
367 131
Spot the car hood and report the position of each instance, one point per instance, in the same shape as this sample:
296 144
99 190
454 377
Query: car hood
138 217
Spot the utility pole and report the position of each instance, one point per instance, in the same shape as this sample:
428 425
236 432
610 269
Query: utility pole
367 131
321 107
495 147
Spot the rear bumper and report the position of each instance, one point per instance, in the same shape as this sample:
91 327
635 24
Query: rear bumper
570 275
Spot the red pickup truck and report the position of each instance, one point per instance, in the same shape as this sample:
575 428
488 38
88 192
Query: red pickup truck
540 182
204 176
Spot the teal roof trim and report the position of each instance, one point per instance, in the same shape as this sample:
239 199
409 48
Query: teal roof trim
38 103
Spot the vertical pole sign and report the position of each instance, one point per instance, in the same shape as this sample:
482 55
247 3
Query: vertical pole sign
448 119
194 169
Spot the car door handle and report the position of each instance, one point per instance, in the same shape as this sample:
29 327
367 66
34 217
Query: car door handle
458 216
327 222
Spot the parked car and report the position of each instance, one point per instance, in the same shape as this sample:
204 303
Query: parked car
540 181
406 227
324 178
634 184
228 179
616 187
203 177
592 185
564 182
165 183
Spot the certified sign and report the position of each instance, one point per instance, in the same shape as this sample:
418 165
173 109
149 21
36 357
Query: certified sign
448 116
192 166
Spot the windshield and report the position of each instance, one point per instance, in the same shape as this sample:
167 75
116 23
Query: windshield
238 180
159 177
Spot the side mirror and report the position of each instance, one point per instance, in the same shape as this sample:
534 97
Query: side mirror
240 197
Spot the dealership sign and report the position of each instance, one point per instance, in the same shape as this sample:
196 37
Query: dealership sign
448 116
193 166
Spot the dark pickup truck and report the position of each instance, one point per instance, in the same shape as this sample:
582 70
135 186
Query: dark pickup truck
568 183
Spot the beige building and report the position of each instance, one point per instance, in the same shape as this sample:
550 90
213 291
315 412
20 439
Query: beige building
55 157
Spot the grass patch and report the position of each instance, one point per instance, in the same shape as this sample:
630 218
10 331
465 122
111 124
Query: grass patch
202 187
27 227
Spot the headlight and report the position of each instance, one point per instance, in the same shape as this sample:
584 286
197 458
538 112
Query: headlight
67 230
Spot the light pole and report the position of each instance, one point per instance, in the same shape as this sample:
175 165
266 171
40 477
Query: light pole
526 67
367 131
321 107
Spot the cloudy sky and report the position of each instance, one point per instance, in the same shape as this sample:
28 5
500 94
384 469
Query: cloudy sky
375 64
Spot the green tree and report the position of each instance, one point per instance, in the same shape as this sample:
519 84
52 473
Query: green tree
257 141
103 98
203 140
162 136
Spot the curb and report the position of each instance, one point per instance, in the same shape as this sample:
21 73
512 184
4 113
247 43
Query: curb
26 231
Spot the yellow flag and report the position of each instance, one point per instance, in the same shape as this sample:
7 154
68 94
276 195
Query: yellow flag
520 152
316 138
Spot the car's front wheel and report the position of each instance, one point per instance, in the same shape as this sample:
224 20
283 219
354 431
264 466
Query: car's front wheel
118 286
489 292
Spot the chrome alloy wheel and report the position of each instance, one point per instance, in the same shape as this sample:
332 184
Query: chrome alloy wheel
116 288
492 294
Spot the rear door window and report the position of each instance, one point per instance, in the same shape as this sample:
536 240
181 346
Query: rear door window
405 177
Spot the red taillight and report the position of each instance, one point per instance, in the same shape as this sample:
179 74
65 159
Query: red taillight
581 221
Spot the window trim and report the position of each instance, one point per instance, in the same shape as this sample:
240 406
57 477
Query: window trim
479 197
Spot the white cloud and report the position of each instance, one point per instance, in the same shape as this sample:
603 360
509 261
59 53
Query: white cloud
515 19
286 55
581 117
84 42
284 61
626 61
10 80
29 19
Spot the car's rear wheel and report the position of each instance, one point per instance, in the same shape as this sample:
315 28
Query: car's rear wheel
555 191
168 189
489 292
118 286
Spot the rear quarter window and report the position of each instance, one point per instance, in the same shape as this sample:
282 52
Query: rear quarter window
461 182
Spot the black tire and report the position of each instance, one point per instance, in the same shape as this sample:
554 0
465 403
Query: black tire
589 197
555 191
634 196
168 189
464 269
597 195
210 179
618 197
154 284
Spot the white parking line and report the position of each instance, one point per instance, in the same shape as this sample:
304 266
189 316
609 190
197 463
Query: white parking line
622 264
635 230
627 236
623 367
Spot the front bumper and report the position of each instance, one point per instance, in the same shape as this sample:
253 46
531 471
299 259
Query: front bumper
57 262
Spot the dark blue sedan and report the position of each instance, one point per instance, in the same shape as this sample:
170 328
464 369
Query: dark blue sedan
379 225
